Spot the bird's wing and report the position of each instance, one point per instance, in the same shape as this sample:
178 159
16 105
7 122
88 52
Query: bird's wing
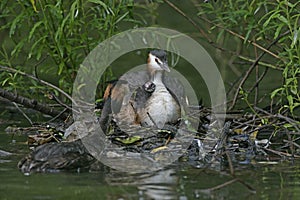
120 98
135 79
176 89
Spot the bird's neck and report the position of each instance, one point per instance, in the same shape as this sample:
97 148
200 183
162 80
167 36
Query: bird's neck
157 77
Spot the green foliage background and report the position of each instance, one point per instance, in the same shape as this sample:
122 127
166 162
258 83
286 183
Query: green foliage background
269 23
50 38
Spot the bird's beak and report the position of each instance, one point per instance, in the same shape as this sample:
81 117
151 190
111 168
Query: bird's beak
165 67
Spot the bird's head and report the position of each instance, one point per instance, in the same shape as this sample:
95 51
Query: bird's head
157 61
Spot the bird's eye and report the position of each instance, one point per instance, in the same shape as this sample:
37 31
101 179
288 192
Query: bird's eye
157 61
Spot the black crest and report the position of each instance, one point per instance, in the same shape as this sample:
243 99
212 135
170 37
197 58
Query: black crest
161 54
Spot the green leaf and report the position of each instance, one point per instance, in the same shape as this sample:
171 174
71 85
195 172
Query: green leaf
290 100
129 140
6 80
264 121
60 68
33 5
289 81
36 25
274 15
35 44
274 93
18 47
295 37
101 3
294 89
283 19
287 125
15 23
74 10
220 34
247 35
278 29
121 18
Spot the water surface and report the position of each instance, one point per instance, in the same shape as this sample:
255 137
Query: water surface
178 181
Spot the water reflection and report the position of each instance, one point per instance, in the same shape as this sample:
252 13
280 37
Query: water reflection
157 185
179 181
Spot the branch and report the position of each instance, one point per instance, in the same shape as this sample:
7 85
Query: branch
32 103
266 50
8 69
23 113
252 67
194 24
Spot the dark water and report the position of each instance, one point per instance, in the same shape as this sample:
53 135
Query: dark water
180 181
256 180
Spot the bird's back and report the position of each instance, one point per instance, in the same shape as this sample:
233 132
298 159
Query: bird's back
131 104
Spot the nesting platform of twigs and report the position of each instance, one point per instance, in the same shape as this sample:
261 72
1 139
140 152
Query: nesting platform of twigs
244 139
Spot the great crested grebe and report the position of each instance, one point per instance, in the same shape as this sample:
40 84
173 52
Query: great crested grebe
146 98
161 107
143 98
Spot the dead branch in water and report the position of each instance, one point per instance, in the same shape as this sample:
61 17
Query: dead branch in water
33 104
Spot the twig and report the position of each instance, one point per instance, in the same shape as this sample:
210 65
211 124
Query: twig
218 186
53 96
290 121
249 187
40 81
252 67
150 117
249 60
58 116
189 19
31 103
194 24
291 143
24 114
266 50
258 80
37 64
229 163
240 36
264 111
281 153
